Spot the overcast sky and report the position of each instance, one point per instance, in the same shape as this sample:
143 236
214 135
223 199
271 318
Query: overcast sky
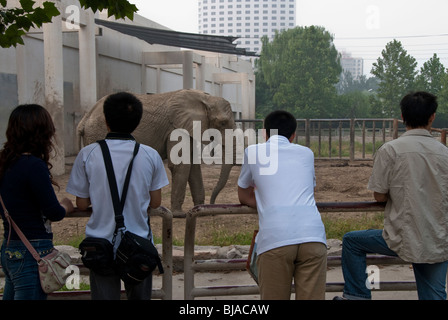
361 27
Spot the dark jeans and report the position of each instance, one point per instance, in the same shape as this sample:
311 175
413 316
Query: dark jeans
21 271
430 278
109 288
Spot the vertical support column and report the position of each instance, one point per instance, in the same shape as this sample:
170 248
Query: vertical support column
395 129
352 139
87 63
200 75
54 87
307 133
21 65
187 69
143 75
245 97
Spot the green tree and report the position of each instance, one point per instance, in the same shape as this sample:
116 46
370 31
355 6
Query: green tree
431 76
353 104
443 94
396 71
300 69
15 22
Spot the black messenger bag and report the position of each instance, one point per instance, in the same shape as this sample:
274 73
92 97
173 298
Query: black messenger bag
97 254
136 257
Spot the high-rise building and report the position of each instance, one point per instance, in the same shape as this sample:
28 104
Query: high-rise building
249 20
351 64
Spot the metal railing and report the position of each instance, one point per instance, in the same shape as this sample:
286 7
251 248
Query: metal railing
191 266
348 139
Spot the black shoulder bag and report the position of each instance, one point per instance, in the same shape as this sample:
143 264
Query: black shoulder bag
136 257
97 254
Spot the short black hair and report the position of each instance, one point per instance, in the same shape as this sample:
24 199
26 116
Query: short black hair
123 112
417 108
282 121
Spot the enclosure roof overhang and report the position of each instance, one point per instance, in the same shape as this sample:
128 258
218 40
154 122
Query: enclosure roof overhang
195 41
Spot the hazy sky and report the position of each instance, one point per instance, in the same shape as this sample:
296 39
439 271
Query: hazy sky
361 27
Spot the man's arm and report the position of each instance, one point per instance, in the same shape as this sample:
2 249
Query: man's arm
380 197
82 203
247 196
156 198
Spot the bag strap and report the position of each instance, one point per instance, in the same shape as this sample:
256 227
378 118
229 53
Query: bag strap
19 232
118 204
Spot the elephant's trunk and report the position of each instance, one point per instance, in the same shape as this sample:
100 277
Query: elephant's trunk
223 177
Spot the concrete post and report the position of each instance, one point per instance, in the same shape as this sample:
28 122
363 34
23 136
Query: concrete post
54 87
187 68
87 63
200 75
21 65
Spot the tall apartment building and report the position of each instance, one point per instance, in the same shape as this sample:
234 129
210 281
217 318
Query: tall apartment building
249 20
351 64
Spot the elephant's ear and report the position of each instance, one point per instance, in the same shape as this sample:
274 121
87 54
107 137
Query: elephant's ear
188 107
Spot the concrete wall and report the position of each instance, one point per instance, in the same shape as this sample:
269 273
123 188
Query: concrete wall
119 67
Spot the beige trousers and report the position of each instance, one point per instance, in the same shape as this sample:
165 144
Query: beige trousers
306 263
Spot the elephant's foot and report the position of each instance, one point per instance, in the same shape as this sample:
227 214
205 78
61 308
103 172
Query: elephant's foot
176 208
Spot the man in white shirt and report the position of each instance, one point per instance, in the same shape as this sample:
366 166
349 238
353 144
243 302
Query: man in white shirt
89 183
291 242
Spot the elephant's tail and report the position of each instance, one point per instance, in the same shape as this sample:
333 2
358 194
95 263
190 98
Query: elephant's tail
223 177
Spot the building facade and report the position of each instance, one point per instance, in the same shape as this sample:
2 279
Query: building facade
353 65
248 20
68 68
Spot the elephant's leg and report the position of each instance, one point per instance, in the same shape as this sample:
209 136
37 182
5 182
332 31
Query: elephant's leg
179 176
196 184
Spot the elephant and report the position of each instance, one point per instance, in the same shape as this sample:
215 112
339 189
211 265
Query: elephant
162 114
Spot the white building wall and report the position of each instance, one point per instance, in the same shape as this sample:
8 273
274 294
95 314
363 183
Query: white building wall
118 68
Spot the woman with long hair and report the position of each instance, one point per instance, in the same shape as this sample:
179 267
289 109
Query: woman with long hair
26 187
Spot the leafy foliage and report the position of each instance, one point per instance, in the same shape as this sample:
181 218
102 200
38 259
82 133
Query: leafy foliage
431 76
396 70
117 8
15 22
298 71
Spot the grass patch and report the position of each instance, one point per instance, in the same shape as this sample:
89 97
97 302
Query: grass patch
226 238
74 241
82 287
336 227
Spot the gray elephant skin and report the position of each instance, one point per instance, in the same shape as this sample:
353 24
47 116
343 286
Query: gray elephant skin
163 113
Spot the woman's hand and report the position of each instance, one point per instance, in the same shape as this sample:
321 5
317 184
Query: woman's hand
67 204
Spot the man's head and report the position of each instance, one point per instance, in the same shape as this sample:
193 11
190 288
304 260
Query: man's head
123 112
282 121
418 108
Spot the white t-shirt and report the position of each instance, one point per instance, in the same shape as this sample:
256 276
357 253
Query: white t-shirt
88 179
284 180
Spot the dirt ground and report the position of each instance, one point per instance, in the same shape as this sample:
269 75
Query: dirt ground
337 181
